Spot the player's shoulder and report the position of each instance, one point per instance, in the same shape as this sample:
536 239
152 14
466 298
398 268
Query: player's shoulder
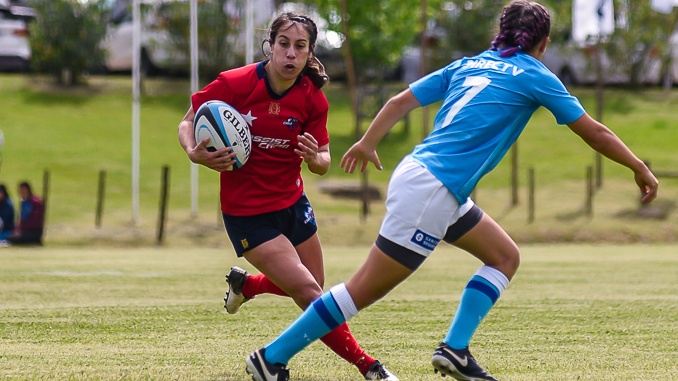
312 94
241 78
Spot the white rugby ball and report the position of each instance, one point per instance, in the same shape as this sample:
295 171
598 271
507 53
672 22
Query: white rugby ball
225 127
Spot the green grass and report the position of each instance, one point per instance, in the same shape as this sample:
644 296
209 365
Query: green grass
75 133
573 312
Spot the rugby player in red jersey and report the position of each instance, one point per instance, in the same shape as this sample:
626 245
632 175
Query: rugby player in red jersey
269 220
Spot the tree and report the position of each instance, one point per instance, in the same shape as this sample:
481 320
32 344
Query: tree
379 31
469 25
641 34
65 38
645 36
218 33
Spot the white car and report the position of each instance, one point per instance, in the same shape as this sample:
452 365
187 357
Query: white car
157 50
119 38
574 64
15 48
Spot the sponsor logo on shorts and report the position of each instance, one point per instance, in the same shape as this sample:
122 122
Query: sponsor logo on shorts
309 216
244 243
425 240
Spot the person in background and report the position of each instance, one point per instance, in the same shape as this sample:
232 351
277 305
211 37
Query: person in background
7 215
487 101
267 215
31 218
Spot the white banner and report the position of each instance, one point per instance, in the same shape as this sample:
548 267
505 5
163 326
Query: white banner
592 19
663 6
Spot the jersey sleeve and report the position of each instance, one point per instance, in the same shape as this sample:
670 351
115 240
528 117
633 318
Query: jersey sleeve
316 124
217 89
552 94
433 87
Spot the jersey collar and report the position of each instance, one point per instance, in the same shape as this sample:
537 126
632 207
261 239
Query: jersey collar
261 74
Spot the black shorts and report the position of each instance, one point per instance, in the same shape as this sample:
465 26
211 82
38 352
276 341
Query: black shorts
297 223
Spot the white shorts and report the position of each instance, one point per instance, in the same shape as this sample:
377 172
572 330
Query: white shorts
420 212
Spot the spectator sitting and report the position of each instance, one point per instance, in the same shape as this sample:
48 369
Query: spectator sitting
31 218
6 214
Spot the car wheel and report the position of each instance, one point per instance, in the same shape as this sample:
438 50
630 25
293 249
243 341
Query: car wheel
146 66
567 77
667 80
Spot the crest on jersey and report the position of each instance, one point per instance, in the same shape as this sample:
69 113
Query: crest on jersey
274 108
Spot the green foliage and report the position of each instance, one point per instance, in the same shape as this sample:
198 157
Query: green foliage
218 32
647 36
379 30
66 36
469 26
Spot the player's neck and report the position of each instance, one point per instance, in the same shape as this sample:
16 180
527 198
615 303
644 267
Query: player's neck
277 84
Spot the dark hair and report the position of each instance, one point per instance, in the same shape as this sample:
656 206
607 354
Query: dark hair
25 184
3 190
314 69
522 25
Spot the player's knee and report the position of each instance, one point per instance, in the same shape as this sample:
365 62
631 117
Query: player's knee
508 260
321 281
305 295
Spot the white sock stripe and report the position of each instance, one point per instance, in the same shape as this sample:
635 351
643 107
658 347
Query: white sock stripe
344 300
494 276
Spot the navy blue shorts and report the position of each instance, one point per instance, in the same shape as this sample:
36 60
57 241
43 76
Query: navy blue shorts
297 223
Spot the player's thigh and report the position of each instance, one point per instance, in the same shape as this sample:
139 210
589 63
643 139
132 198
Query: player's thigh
488 242
279 261
375 278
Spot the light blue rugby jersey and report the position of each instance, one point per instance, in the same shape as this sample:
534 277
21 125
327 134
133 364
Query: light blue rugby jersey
487 101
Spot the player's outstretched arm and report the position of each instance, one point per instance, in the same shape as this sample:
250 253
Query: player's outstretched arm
197 152
603 140
365 150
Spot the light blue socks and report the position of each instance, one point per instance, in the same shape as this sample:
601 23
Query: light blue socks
329 311
478 298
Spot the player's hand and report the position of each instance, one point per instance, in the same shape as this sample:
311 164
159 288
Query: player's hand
221 160
307 147
361 155
648 185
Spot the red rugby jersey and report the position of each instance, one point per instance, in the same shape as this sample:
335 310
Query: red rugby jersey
271 178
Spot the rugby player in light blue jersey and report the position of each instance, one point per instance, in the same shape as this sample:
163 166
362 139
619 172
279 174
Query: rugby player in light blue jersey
486 102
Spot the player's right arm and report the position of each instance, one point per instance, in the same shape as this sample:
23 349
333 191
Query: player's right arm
603 140
219 161
365 150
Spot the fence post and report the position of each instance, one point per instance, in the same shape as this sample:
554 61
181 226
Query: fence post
101 191
589 191
530 196
514 174
164 194
45 197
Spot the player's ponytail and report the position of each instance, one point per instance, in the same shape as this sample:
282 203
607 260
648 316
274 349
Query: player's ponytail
523 24
315 70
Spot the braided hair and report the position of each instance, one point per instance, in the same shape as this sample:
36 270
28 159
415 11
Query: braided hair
314 69
523 24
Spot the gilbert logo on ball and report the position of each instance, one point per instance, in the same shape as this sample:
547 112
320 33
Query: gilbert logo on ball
225 127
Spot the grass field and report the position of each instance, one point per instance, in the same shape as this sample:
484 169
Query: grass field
105 304
75 133
574 312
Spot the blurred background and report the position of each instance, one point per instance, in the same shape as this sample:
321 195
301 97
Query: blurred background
67 120
637 40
